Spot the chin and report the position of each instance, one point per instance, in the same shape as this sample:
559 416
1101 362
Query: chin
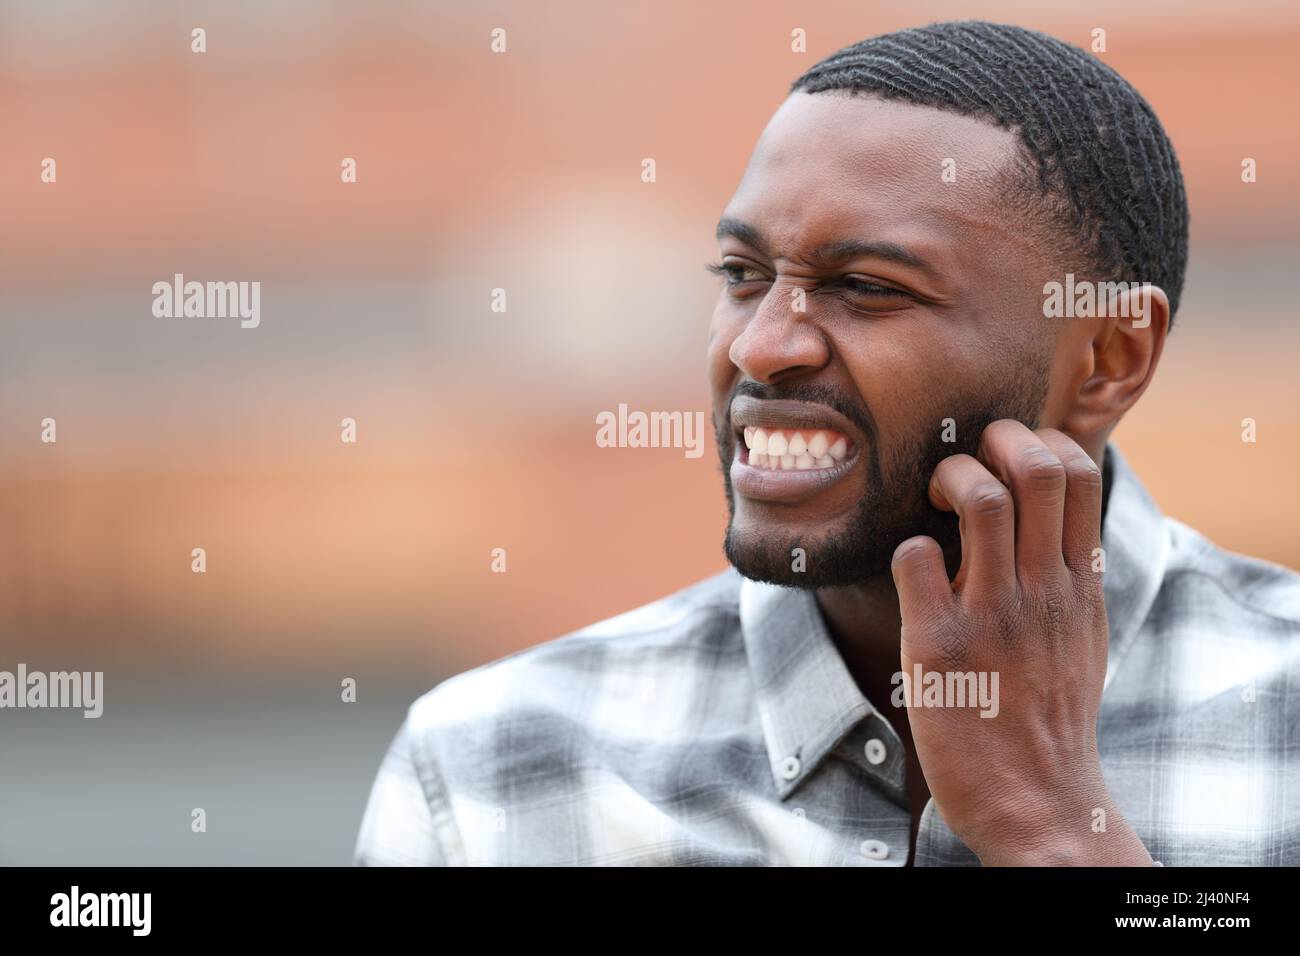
826 561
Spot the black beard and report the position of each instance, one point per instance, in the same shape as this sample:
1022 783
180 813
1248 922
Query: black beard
896 507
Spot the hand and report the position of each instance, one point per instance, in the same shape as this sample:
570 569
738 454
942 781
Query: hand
1024 786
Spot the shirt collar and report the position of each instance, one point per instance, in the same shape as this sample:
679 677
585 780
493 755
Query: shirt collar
1135 544
807 699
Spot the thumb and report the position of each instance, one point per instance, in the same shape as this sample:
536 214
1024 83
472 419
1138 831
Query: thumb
920 577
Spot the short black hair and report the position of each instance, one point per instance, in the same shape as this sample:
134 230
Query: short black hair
1107 175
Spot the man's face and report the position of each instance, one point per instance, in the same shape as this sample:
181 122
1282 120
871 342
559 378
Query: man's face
884 305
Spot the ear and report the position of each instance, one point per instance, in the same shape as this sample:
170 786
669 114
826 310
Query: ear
1125 351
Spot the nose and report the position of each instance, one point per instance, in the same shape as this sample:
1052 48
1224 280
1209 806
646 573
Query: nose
780 341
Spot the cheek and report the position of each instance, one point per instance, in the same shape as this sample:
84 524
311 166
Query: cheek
885 366
905 379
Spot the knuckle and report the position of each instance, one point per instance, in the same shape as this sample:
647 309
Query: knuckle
1084 472
951 650
989 500
996 613
1000 622
1051 610
1042 470
1009 617
994 433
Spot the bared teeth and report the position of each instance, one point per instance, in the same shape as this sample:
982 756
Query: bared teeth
786 449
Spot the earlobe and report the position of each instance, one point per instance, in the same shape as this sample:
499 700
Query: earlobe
1126 349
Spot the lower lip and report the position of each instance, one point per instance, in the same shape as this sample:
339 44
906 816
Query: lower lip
765 484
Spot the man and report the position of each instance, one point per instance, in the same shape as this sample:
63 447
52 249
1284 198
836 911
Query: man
957 630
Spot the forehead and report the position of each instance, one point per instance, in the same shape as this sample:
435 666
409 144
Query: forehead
831 166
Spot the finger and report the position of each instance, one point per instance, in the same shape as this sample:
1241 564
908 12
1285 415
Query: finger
1036 478
1081 524
920 578
987 521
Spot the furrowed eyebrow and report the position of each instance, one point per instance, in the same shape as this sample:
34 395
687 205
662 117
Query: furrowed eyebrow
830 253
835 252
742 231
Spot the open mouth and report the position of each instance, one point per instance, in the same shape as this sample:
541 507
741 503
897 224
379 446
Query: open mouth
787 451
780 449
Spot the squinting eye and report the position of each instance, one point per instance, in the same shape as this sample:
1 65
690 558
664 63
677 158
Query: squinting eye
734 273
861 287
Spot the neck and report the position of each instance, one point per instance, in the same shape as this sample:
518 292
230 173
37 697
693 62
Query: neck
862 619
864 622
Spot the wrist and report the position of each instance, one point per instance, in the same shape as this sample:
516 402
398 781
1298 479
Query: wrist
1119 846
1087 831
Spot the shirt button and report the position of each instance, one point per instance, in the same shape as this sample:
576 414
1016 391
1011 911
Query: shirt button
874 849
875 750
790 768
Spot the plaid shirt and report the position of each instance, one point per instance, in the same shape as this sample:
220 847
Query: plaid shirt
719 725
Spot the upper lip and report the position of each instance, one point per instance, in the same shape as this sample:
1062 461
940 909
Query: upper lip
786 414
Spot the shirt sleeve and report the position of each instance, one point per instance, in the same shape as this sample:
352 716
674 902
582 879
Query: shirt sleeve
407 812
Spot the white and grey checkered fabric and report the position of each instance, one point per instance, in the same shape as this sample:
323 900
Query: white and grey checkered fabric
719 725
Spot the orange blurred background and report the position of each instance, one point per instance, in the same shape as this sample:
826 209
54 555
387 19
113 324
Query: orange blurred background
475 171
